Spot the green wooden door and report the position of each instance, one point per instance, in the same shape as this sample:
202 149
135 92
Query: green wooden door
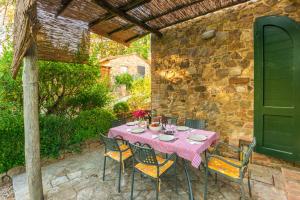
277 87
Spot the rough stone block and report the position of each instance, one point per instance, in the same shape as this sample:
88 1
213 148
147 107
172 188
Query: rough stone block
235 71
74 175
208 34
222 73
236 80
59 180
291 8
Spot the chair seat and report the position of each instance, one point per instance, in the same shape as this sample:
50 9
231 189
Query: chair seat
151 170
224 168
116 155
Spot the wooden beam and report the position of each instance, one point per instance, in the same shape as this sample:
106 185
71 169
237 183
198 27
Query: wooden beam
31 124
104 4
132 5
179 7
63 7
136 37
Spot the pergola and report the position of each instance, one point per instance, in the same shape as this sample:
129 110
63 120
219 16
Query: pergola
58 30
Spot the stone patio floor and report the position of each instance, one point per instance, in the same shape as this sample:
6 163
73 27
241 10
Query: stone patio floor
80 177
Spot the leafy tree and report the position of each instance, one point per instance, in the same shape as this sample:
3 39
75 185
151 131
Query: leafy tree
10 90
140 94
64 88
102 48
68 88
124 79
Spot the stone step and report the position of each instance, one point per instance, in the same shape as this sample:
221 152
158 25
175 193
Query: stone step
292 183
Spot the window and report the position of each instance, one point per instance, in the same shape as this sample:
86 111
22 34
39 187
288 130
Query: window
123 69
141 70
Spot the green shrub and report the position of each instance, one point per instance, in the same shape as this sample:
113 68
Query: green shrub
61 133
58 133
64 88
121 109
90 123
11 139
96 96
124 79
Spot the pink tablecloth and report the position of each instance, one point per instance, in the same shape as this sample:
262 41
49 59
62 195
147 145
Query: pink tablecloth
181 147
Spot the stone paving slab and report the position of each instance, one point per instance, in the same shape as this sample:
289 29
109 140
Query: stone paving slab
80 178
292 183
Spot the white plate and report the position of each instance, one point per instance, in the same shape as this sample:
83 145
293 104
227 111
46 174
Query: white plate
137 130
130 123
182 128
166 137
198 138
192 141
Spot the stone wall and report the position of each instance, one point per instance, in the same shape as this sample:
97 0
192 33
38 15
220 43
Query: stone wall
213 78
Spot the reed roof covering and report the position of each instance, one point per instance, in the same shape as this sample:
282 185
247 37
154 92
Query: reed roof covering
63 25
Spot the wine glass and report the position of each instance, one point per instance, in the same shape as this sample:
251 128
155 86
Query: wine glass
169 125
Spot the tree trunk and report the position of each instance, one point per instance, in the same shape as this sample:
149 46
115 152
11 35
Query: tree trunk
31 124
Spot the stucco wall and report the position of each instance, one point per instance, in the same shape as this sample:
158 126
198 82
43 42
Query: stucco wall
213 79
130 61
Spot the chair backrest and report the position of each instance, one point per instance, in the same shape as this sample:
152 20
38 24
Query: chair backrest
248 153
173 120
118 122
110 143
143 153
195 123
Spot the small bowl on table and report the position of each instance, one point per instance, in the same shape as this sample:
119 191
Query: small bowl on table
156 127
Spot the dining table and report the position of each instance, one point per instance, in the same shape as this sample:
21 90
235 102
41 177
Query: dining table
185 148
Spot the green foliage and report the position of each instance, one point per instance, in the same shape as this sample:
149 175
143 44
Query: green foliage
69 88
121 109
10 89
58 133
124 79
102 48
140 94
96 96
11 139
90 123
64 88
71 101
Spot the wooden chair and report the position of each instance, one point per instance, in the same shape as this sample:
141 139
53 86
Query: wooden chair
118 122
195 123
148 163
173 120
116 149
232 169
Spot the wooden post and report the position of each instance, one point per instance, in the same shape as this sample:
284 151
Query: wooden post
31 124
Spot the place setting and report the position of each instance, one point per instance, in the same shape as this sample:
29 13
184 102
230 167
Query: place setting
196 138
132 123
136 130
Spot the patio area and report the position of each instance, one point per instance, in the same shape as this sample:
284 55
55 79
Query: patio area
231 64
80 177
